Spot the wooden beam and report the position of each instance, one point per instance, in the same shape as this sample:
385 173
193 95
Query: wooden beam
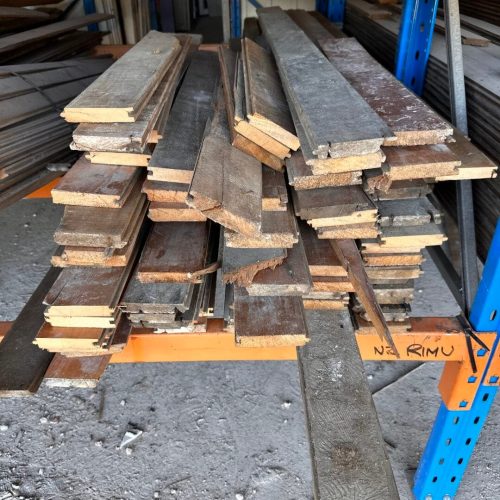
348 451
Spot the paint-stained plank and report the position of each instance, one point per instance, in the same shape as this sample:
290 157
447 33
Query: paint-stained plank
412 121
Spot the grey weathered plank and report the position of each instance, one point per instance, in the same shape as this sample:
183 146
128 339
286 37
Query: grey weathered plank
22 364
175 155
347 447
291 278
18 40
121 92
156 297
227 183
268 321
336 120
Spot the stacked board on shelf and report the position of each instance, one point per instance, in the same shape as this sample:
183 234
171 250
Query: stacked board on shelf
379 37
104 223
378 200
231 238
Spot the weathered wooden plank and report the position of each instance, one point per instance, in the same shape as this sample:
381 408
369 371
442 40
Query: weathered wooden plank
407 212
274 192
291 278
83 372
474 163
332 202
240 265
268 321
132 137
300 175
86 291
121 92
112 158
158 298
348 451
165 192
22 364
227 184
244 128
415 236
353 231
174 212
266 108
175 155
96 185
227 61
101 227
321 258
101 256
335 119
279 230
350 258
420 162
174 252
412 121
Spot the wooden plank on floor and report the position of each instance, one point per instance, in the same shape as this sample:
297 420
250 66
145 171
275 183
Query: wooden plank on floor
348 451
83 372
122 91
22 364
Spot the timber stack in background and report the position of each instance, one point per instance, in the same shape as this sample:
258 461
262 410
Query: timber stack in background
46 63
233 189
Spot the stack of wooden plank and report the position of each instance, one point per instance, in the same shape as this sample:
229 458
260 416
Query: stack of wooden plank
381 203
261 254
257 112
379 36
31 96
103 225
49 42
172 163
167 290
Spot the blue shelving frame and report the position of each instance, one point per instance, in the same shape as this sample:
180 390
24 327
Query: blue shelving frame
455 433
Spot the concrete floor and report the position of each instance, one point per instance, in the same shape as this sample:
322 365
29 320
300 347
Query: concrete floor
210 430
